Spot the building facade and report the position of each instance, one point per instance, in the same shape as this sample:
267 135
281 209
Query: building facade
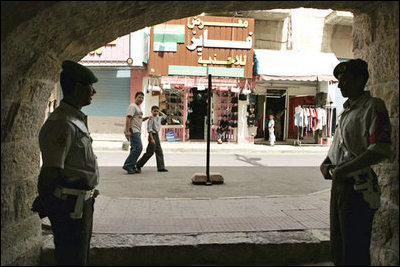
183 53
170 62
295 53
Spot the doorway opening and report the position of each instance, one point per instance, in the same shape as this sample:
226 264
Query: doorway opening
196 118
275 104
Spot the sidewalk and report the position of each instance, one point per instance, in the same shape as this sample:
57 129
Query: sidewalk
278 230
230 224
115 141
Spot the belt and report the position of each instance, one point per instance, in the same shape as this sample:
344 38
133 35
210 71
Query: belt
358 172
62 192
82 196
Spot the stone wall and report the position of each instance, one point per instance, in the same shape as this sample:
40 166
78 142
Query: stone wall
376 40
35 44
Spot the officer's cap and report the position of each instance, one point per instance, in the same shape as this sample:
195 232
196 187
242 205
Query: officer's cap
355 66
78 72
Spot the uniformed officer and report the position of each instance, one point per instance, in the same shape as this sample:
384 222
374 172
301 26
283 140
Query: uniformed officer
69 173
362 139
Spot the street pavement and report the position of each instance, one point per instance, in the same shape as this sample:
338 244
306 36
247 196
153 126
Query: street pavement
270 195
114 142
261 192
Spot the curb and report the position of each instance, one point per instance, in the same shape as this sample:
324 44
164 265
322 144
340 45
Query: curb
230 248
117 146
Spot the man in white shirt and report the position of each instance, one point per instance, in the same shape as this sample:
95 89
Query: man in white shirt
134 119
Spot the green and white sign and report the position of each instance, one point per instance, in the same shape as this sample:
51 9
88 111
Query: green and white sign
187 70
226 72
167 36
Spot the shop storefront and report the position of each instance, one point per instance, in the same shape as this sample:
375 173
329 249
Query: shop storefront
113 65
182 54
288 81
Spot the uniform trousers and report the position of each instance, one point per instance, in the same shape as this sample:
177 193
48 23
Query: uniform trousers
350 225
151 148
71 236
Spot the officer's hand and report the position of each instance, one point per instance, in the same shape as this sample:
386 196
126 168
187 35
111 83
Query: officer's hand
337 172
325 170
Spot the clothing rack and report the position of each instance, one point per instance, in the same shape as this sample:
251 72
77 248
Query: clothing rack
324 130
313 106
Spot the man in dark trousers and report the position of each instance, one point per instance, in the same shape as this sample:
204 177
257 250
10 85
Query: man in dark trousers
153 128
362 139
133 129
69 173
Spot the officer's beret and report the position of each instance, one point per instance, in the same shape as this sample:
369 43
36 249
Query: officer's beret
78 72
355 66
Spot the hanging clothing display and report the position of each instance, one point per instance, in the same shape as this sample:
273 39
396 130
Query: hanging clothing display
320 120
298 116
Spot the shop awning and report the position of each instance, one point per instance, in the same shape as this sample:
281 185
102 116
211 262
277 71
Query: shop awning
294 65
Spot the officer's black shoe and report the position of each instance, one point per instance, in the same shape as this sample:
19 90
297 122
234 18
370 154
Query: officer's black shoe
163 170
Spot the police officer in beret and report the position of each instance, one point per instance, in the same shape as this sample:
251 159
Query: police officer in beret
362 138
69 173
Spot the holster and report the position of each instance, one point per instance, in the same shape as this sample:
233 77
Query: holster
364 183
82 196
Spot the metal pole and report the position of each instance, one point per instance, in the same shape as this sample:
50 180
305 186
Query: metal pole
208 129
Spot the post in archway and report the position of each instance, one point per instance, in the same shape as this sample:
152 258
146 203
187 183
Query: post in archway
208 178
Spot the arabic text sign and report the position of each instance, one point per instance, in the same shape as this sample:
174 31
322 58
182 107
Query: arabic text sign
201 23
167 36
226 72
203 41
211 42
187 70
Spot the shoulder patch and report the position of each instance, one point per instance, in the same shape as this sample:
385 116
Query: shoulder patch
61 139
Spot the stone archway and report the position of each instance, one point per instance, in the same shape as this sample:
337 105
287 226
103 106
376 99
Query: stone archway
37 37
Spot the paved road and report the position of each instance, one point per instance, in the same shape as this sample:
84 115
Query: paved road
261 192
244 175
277 200
116 158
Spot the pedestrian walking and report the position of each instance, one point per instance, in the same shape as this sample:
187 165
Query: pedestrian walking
362 138
271 130
69 173
153 128
133 128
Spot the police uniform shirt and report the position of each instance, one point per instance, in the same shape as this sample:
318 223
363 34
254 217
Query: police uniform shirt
65 143
363 125
136 120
